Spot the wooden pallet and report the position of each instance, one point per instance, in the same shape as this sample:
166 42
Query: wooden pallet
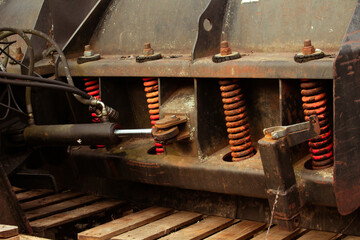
9 232
47 210
168 224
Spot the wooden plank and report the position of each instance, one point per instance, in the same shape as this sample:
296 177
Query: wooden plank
124 224
17 190
73 215
239 231
8 231
318 235
32 194
276 233
28 237
60 207
161 227
202 229
52 199
351 238
12 238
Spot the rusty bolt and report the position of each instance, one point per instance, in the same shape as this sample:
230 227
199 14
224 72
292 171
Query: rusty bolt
224 48
308 48
88 51
19 55
147 49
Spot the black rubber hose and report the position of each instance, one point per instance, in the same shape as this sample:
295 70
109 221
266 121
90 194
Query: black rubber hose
61 55
6 51
17 62
32 78
59 51
46 85
13 31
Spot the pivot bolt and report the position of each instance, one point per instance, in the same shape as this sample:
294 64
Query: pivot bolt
19 54
224 48
148 50
88 51
308 48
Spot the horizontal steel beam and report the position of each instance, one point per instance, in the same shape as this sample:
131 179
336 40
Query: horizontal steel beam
257 65
246 178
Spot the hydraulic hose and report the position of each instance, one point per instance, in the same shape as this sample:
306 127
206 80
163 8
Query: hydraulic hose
71 89
13 31
79 97
32 78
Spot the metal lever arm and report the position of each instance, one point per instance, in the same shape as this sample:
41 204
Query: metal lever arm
279 172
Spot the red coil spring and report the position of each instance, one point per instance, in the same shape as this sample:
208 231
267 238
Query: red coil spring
92 88
152 95
315 103
236 120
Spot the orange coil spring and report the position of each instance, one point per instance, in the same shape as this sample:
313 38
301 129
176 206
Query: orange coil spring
152 95
92 88
315 103
236 120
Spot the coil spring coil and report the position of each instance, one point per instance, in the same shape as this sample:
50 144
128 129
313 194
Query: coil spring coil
236 120
92 88
315 102
152 96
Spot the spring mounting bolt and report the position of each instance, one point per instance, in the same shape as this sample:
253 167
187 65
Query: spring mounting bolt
148 49
308 48
224 48
88 52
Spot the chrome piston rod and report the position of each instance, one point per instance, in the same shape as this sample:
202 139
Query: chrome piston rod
122 133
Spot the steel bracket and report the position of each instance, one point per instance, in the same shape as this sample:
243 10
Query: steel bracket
208 40
280 179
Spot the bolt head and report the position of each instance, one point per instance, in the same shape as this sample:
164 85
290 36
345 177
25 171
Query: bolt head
224 44
147 49
307 42
147 45
89 53
224 48
308 48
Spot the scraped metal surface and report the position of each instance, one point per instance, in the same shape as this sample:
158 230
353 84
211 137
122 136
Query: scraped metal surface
347 119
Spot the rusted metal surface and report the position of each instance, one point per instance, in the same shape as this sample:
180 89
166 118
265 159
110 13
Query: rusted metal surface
211 132
255 65
210 28
28 14
244 178
11 212
67 16
128 24
236 119
347 118
92 12
282 25
255 26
